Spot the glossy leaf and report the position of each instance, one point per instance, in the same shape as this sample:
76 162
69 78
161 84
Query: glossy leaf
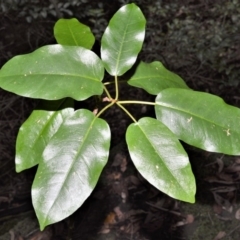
161 159
38 129
71 165
73 33
123 39
154 77
54 72
200 119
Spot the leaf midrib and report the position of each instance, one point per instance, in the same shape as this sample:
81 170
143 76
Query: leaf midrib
121 46
159 77
161 159
49 74
191 114
74 39
72 164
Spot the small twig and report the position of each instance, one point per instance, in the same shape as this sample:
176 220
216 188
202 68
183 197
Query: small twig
231 232
164 209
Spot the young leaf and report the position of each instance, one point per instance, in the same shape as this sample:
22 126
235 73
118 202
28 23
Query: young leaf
123 39
70 167
200 119
54 72
161 159
38 129
154 77
73 33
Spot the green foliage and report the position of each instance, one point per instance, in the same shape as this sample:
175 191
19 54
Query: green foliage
160 158
218 121
38 9
73 33
71 165
121 43
75 67
154 77
199 40
47 119
71 147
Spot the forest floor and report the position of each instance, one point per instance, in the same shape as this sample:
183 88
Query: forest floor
189 39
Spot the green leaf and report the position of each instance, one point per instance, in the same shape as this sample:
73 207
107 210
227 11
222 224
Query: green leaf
154 77
54 72
73 33
161 159
38 129
200 119
71 165
123 39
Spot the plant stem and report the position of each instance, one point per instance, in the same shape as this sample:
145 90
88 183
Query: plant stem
107 92
116 88
105 108
126 111
136 102
121 81
108 83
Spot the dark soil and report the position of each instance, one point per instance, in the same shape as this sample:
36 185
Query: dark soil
124 205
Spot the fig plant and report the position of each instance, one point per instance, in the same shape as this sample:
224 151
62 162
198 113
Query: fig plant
71 147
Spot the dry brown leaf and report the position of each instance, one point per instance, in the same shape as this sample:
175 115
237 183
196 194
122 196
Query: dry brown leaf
124 196
114 176
233 168
237 214
134 212
110 219
104 230
180 224
224 218
220 235
214 179
229 209
217 209
134 180
189 219
123 165
237 160
221 201
4 199
120 160
223 189
220 164
211 179
119 213
226 177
